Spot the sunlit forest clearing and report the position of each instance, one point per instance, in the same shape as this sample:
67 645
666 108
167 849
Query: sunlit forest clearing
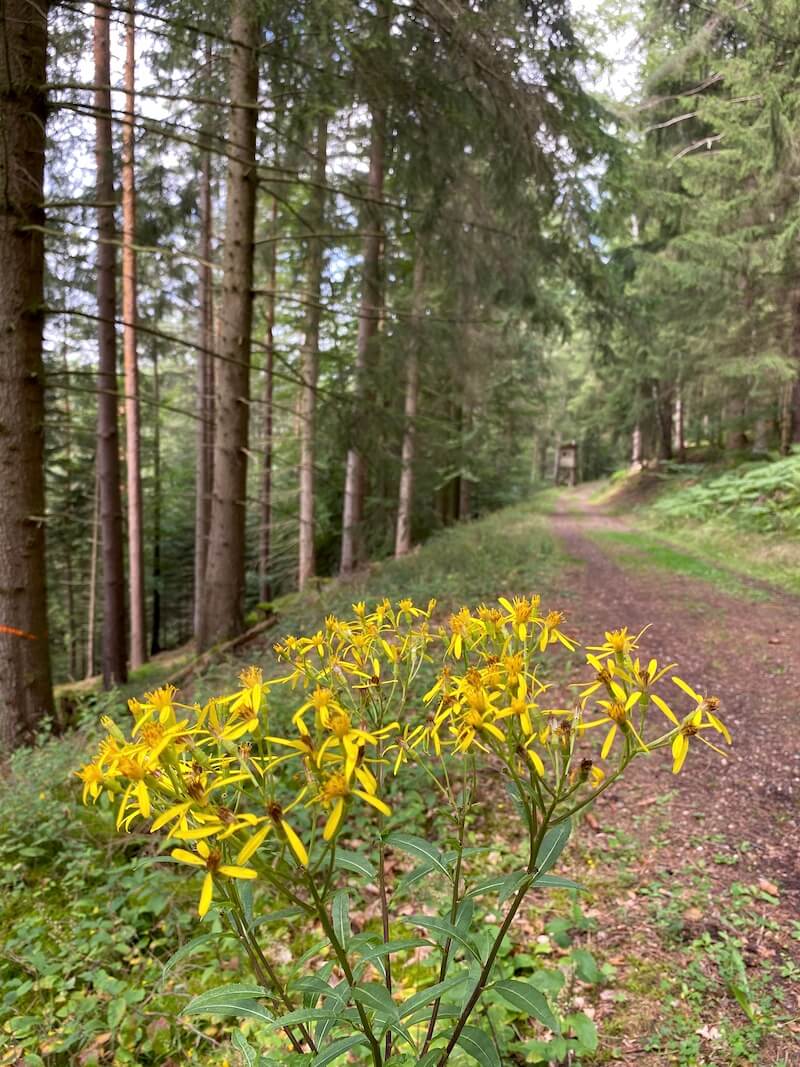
399 514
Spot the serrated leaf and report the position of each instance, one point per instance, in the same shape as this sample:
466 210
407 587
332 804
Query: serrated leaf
441 929
552 846
340 916
337 1049
419 847
479 1046
355 862
239 1000
522 996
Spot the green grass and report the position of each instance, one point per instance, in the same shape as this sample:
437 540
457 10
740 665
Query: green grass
773 558
642 549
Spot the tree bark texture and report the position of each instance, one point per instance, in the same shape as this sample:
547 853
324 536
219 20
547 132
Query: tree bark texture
114 652
368 321
222 614
405 496
265 519
155 638
204 469
309 360
91 611
138 617
25 687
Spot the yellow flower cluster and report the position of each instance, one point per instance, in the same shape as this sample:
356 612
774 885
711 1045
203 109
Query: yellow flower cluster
222 784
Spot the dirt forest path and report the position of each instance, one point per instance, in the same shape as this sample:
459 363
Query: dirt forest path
734 820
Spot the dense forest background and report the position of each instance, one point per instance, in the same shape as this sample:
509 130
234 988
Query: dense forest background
285 287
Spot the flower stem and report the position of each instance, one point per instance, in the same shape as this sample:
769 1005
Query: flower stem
344 963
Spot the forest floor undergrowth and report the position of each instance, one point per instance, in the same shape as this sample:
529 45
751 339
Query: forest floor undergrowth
697 887
685 948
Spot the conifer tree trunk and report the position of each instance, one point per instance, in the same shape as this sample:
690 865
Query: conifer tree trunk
204 462
405 497
114 661
265 523
309 360
369 318
155 632
72 636
91 614
222 614
138 634
25 690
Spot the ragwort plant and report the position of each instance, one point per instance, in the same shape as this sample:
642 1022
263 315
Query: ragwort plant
228 795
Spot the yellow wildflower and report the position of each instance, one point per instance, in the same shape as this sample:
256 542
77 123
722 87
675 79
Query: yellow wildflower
211 859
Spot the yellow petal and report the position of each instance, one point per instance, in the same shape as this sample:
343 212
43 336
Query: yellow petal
536 760
335 817
685 687
609 741
206 894
187 857
196 833
376 803
231 871
295 844
144 799
253 844
170 813
663 706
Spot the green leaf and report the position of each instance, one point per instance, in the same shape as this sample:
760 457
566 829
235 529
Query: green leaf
419 847
586 966
401 945
425 996
479 1046
524 997
337 1049
376 997
245 889
584 1029
552 846
280 915
441 930
247 1052
306 1015
556 881
340 915
239 1000
189 948
355 862
504 884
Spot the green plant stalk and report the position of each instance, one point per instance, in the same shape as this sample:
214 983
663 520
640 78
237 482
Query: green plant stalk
486 970
266 974
453 911
344 963
384 904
